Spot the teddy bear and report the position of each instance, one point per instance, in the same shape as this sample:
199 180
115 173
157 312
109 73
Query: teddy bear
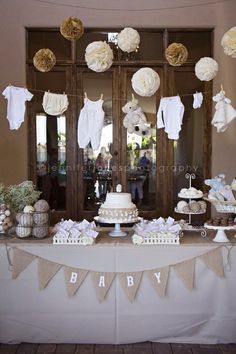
135 120
219 189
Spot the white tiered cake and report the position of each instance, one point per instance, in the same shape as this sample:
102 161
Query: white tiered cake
118 208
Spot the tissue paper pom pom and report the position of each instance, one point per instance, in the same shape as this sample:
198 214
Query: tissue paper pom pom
44 60
128 39
228 42
176 54
206 69
145 82
72 28
99 56
40 231
181 205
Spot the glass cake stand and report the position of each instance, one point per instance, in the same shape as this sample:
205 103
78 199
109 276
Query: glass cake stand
116 232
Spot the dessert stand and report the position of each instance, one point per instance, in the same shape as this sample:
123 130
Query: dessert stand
116 232
220 235
188 226
223 208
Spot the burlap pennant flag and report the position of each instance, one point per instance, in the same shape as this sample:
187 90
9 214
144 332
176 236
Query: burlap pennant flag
159 278
46 271
20 261
74 277
185 270
130 283
214 261
102 282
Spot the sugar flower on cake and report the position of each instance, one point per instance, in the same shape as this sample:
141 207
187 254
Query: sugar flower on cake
99 56
137 239
128 40
145 82
228 42
206 69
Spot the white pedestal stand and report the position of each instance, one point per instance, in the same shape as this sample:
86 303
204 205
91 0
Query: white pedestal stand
220 235
116 232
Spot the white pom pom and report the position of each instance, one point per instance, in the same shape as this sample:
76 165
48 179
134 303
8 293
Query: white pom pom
99 56
206 69
145 82
228 42
128 39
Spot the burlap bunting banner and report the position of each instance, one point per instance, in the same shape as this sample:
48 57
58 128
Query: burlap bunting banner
102 282
74 277
185 271
130 283
214 261
20 261
158 278
46 271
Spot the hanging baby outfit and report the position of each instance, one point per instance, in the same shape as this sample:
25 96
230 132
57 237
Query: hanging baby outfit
224 113
197 100
90 123
55 104
16 98
170 116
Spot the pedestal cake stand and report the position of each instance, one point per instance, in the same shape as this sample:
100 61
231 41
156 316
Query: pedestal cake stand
220 235
117 230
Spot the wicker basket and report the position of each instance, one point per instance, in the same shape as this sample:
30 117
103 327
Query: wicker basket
223 207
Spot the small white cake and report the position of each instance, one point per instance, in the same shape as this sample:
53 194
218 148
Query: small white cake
190 193
118 208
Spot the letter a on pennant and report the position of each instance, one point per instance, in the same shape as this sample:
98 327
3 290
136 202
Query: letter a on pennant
102 283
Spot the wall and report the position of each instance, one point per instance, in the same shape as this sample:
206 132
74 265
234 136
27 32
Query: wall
15 15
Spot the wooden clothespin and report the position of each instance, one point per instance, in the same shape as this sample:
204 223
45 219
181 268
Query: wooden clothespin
221 87
101 96
133 97
85 95
9 84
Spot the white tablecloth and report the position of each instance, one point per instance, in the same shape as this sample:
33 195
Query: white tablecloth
207 314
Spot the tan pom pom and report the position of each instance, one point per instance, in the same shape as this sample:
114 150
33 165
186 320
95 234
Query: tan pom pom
195 207
72 28
41 205
44 60
176 54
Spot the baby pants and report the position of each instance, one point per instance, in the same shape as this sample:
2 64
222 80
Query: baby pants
55 104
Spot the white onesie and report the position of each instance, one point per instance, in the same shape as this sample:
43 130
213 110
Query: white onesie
16 98
170 116
55 104
90 123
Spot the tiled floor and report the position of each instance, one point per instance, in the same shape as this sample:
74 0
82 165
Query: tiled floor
140 348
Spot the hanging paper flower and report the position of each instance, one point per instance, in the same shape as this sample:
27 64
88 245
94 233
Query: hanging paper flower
228 42
176 54
145 82
99 56
72 28
44 60
128 40
206 69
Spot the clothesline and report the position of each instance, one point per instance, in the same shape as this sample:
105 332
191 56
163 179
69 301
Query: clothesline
111 98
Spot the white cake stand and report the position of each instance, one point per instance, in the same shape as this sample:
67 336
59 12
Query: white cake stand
220 235
116 232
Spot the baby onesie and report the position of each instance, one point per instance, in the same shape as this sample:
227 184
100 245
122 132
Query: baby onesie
224 113
90 123
170 116
55 104
16 98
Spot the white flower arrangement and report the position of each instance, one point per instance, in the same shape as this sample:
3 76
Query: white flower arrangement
137 239
128 40
145 82
99 56
206 69
228 42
